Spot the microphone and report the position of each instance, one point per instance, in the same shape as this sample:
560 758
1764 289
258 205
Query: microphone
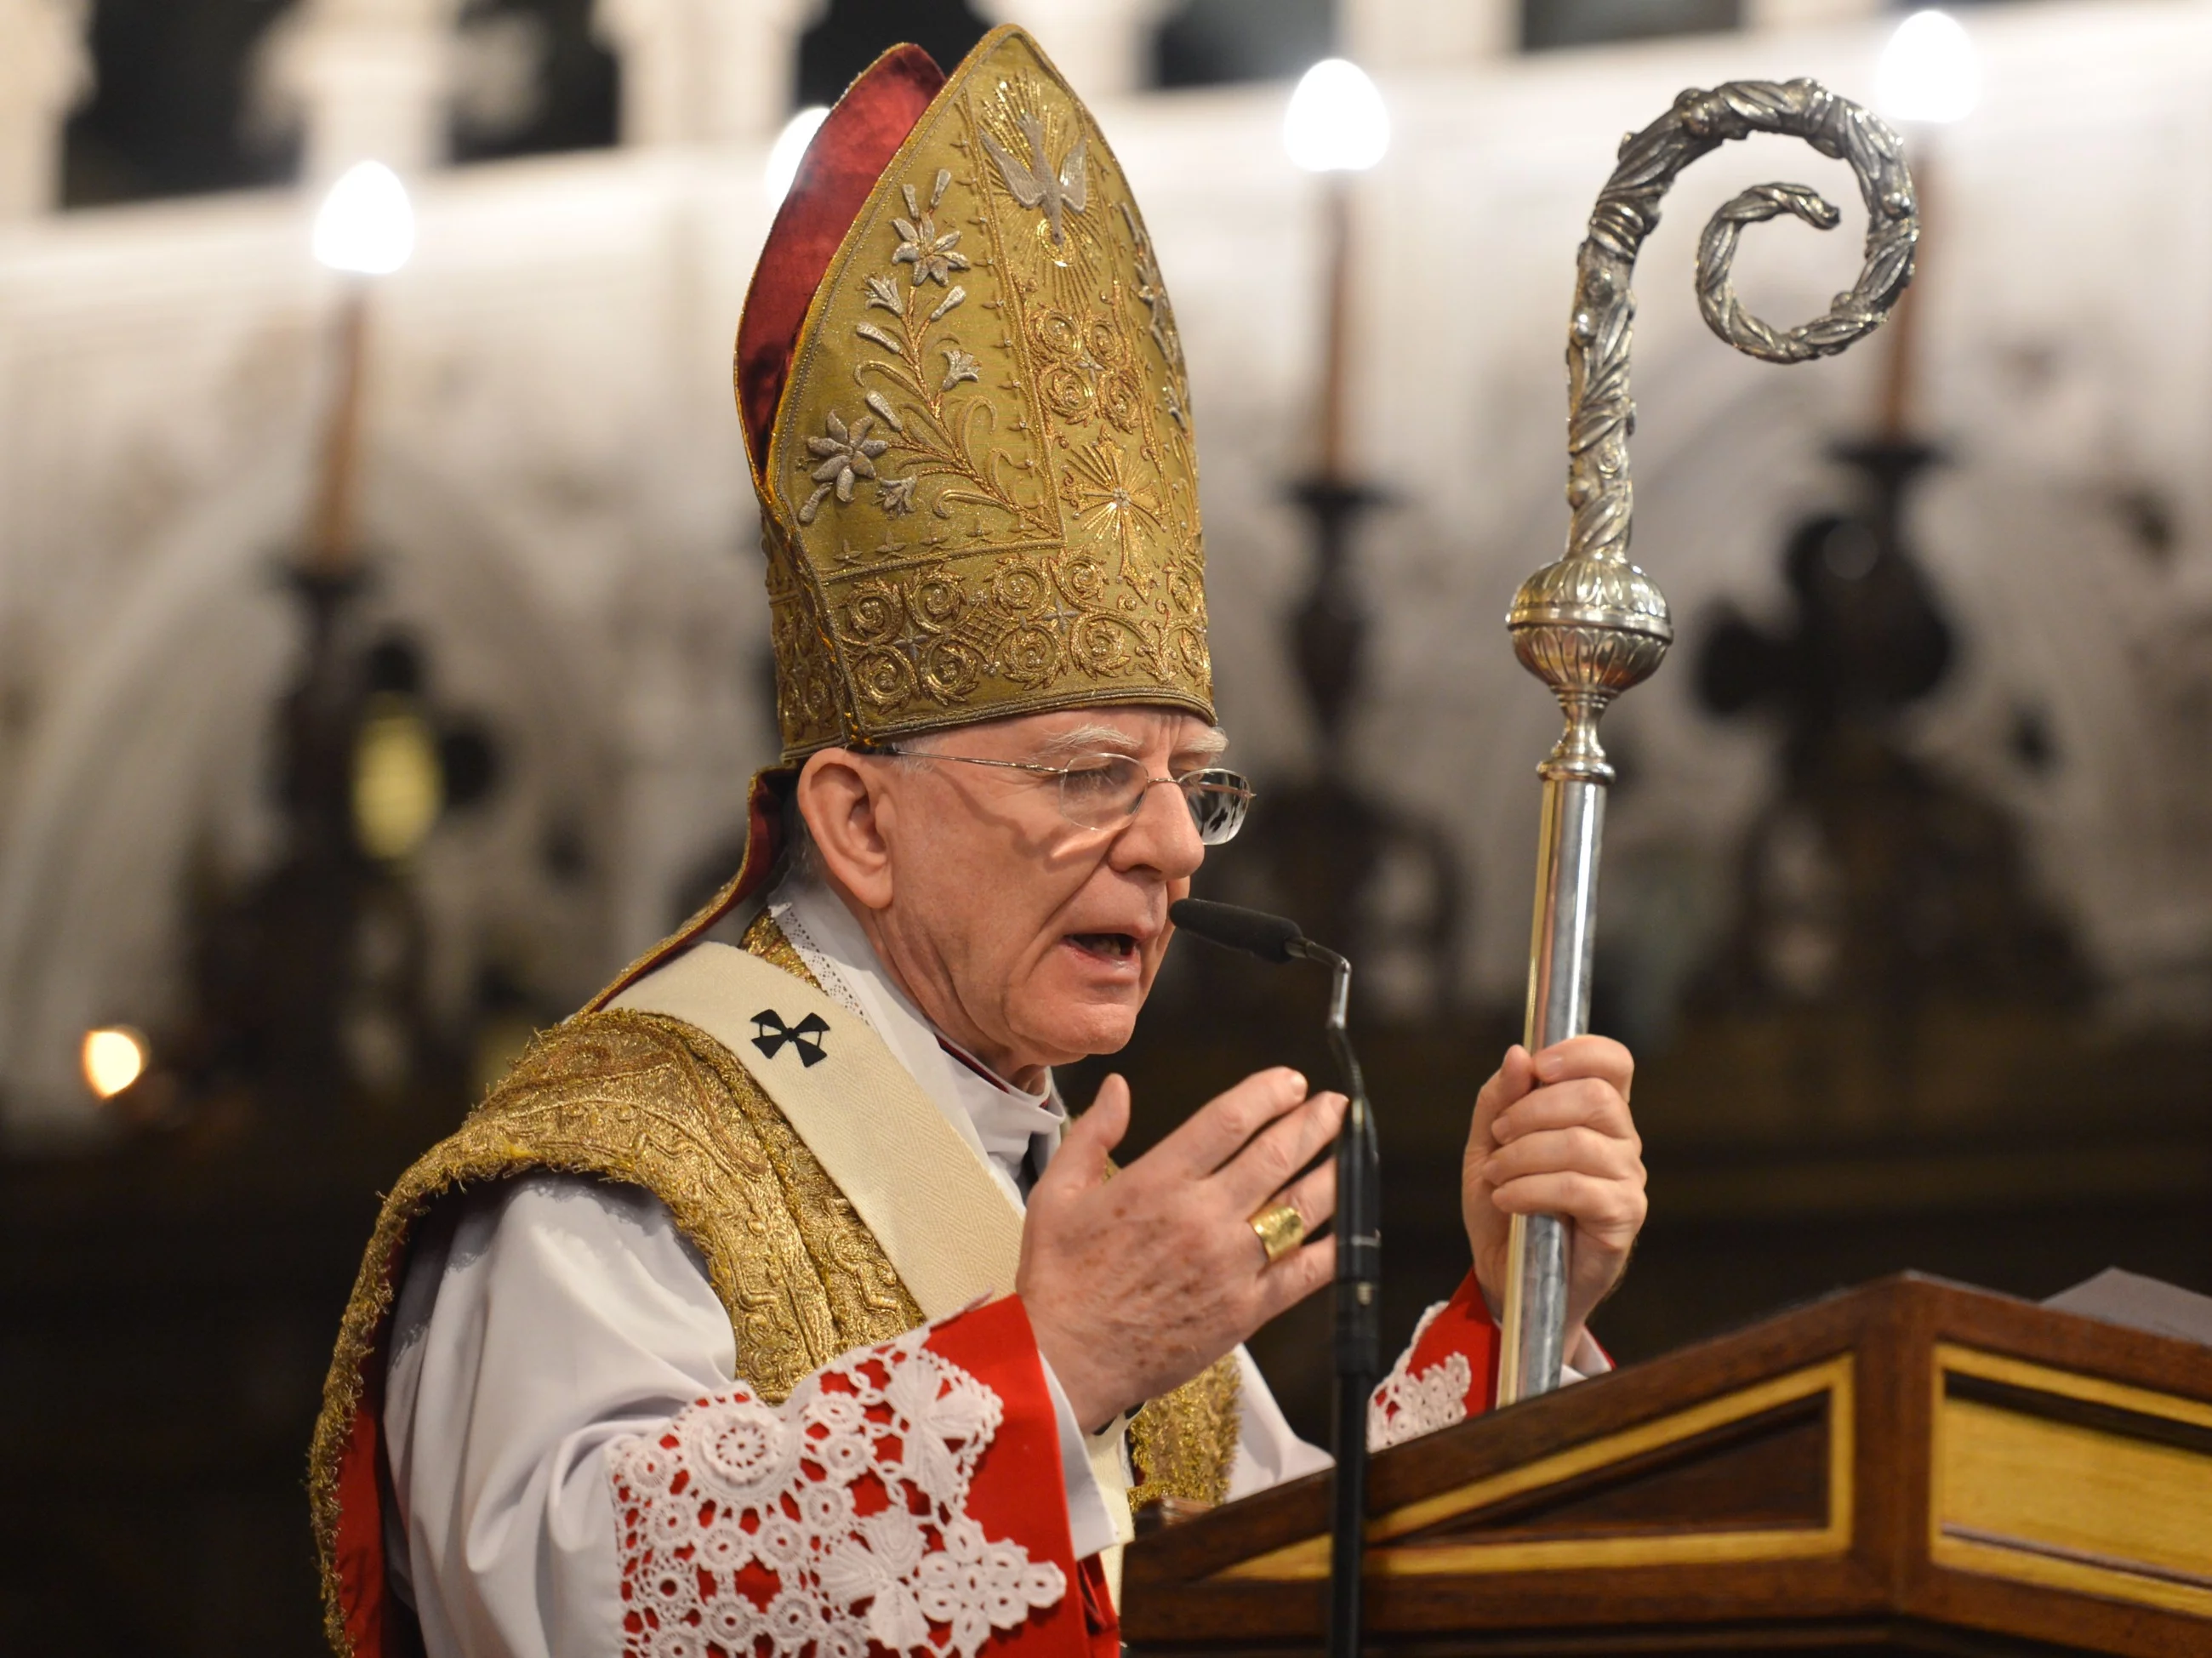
1271 938
1278 938
1359 1245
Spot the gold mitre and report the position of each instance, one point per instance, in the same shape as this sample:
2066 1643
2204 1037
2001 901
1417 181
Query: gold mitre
979 493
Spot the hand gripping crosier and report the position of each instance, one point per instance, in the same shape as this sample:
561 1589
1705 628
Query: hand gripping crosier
1591 625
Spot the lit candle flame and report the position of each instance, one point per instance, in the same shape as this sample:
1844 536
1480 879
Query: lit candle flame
1337 121
1928 72
789 149
114 1057
366 225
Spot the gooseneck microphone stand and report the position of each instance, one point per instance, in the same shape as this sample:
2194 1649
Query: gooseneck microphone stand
1358 1246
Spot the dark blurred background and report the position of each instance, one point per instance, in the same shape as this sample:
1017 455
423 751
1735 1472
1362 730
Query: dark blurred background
1905 918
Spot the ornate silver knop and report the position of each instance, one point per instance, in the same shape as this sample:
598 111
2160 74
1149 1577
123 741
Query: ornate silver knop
1592 624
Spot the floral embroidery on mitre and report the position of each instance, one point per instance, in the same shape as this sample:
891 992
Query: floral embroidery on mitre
1008 521
1409 1404
834 1521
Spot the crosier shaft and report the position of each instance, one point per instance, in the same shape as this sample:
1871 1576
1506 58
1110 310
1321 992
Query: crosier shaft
1560 946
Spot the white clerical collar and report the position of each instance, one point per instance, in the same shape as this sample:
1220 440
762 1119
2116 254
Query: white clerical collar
1013 1130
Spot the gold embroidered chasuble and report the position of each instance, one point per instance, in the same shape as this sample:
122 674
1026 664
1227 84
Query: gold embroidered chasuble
652 1101
968 419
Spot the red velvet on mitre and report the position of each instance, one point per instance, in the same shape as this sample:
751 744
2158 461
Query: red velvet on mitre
855 143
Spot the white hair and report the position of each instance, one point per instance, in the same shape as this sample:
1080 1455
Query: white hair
1087 738
803 858
1212 743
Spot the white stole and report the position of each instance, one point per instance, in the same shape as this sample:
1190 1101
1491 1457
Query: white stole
950 1231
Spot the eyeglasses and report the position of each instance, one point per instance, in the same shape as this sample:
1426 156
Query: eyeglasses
1105 790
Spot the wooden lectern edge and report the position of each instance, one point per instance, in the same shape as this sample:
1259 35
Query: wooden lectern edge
1621 1400
1887 1567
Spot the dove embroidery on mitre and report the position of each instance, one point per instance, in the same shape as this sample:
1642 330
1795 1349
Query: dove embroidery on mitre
1066 189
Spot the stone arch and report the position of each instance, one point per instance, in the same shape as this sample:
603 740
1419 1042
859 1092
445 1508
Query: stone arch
155 751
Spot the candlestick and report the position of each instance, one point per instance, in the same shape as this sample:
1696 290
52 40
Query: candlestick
365 228
1929 77
330 540
1338 126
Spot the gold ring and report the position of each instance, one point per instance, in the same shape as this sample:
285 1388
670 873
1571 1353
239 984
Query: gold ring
1280 1230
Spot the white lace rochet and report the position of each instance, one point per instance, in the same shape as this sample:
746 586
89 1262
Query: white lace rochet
833 1521
1407 1404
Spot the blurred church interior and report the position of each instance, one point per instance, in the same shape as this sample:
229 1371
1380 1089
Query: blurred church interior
383 653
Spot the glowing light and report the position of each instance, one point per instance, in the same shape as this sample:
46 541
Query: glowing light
399 785
790 149
1337 121
365 224
1928 72
113 1058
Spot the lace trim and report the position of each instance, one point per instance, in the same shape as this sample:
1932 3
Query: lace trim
1407 1405
785 913
833 1521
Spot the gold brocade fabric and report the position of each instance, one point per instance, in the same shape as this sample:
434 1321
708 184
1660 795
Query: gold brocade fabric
981 493
652 1102
764 938
1184 1443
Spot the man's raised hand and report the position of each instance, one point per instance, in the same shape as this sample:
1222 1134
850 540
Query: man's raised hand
1135 1283
1552 1136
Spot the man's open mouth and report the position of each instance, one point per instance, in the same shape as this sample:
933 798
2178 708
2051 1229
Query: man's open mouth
1108 946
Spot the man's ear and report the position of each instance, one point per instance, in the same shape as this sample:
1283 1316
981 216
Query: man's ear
843 799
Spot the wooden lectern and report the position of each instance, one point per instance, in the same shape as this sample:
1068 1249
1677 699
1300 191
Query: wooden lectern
1909 1467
